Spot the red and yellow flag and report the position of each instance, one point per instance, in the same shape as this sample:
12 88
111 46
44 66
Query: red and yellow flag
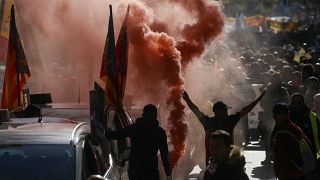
5 6
17 70
122 56
257 20
108 72
114 68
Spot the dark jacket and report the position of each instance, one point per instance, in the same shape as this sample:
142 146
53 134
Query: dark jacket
301 118
230 169
286 150
212 124
146 137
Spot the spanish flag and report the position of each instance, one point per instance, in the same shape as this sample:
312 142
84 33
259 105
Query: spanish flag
17 70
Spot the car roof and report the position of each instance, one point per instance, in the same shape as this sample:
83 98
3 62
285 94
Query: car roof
74 111
51 131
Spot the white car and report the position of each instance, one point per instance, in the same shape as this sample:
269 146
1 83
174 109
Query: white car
55 148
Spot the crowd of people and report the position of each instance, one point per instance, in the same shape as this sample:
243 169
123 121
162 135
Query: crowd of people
289 125
289 75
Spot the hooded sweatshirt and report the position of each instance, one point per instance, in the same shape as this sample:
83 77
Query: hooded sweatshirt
230 169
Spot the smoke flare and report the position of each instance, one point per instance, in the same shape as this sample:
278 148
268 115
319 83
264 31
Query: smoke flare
156 62
65 39
157 56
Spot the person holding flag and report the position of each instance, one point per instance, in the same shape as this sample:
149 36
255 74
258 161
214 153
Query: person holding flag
143 160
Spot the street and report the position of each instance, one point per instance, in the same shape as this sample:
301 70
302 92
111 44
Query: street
254 155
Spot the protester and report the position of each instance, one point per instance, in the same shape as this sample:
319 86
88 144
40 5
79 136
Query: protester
316 104
316 109
221 120
286 152
301 115
295 85
312 88
286 73
306 72
275 93
147 137
226 161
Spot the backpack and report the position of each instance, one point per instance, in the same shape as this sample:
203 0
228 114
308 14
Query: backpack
308 159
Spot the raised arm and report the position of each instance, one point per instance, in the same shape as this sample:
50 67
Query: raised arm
121 133
249 107
193 107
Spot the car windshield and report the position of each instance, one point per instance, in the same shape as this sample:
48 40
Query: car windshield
37 162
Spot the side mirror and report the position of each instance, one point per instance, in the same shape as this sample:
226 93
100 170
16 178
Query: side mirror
95 177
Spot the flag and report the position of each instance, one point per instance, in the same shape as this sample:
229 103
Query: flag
298 55
122 48
17 70
108 72
257 20
114 68
5 6
5 16
122 56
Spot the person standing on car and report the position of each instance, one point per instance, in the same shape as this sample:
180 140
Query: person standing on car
146 137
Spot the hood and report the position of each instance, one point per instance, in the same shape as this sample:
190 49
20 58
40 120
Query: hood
236 157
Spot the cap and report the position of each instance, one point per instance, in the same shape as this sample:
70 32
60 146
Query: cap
280 108
219 105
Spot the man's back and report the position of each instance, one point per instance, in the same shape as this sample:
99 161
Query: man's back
286 150
147 137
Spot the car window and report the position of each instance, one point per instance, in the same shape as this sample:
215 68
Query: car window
37 162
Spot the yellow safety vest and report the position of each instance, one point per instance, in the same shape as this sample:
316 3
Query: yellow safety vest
313 119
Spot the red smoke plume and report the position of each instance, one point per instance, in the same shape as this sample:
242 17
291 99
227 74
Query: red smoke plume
68 37
208 26
156 63
156 59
